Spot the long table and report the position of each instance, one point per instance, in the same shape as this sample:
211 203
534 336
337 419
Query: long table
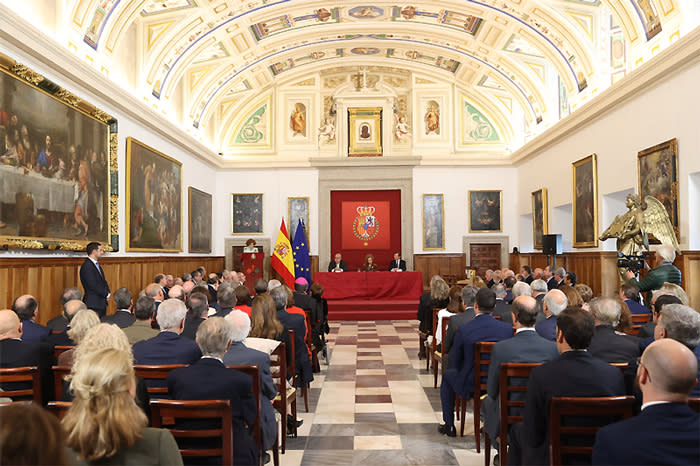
370 285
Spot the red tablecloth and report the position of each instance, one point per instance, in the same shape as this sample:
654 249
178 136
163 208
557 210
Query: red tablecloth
370 285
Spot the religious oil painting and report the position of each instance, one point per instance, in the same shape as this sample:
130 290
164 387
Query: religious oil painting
585 204
658 177
154 199
247 214
58 165
298 210
485 211
365 128
540 222
433 221
200 219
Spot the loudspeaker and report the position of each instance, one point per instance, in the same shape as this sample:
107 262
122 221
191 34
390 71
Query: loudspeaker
551 244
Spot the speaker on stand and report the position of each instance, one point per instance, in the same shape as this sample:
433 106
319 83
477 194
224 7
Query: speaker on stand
551 245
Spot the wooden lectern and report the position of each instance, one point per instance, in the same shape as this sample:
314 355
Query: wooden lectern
252 268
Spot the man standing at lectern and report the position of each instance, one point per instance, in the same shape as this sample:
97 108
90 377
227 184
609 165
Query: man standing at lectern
93 280
398 264
338 265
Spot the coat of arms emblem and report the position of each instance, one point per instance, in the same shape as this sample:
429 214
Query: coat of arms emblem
365 226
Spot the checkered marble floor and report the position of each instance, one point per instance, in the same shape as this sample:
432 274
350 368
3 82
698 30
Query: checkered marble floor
374 403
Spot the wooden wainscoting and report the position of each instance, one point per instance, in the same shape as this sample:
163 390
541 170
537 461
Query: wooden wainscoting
448 266
46 277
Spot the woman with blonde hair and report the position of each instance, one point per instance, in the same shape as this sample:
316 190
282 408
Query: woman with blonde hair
104 425
676 291
82 321
265 324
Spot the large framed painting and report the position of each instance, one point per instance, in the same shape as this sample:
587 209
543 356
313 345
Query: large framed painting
585 199
58 166
485 211
247 214
365 132
540 222
658 177
433 221
298 208
200 220
153 200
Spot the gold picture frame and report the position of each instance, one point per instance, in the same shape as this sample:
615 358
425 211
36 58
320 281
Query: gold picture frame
433 222
657 176
298 208
584 184
365 132
199 227
485 211
540 220
247 213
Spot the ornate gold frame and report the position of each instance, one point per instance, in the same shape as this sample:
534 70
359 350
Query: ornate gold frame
39 83
306 220
356 116
262 216
190 249
500 210
594 170
442 214
672 146
545 218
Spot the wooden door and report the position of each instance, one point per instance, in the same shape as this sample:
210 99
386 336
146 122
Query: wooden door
484 257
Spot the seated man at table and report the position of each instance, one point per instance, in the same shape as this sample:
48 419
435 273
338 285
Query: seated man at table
338 264
398 264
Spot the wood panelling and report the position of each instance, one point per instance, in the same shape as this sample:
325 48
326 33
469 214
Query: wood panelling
46 278
484 257
448 266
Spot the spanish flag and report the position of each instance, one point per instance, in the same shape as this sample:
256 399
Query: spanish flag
282 260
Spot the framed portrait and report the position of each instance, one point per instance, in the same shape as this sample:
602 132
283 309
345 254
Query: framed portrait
365 132
298 208
658 177
58 166
485 211
433 221
540 222
585 202
247 214
199 212
153 200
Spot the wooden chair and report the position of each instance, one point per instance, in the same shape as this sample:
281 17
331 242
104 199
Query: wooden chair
206 409
422 336
638 320
59 375
607 409
438 355
291 370
156 372
287 396
59 408
694 404
620 365
315 365
60 349
27 374
481 371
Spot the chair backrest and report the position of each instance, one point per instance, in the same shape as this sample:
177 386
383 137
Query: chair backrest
638 320
694 404
594 412
59 375
278 368
291 365
481 366
156 372
60 349
206 409
620 365
254 373
21 382
435 329
443 331
58 408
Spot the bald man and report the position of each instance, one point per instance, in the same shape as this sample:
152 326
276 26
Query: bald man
27 309
667 431
70 309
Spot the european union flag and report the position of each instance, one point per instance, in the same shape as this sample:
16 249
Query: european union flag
302 263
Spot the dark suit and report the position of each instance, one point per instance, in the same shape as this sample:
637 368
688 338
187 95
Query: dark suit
224 312
503 311
459 378
456 321
31 331
547 328
95 286
166 348
529 279
343 265
573 373
647 330
399 264
209 379
59 323
301 355
525 346
660 434
191 326
18 353
241 354
540 313
551 284
695 392
635 307
123 318
60 339
304 301
611 347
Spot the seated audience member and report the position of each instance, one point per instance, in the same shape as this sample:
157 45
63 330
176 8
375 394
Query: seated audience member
570 279
624 325
227 299
553 303
536 274
525 346
630 295
27 309
60 322
606 344
239 353
538 287
162 281
468 297
197 312
209 379
213 286
572 297
574 373
30 435
292 309
83 321
454 307
242 299
502 308
437 297
155 291
667 430
526 273
658 301
680 323
123 317
488 278
676 290
260 287
298 324
586 294
300 296
168 347
320 328
558 275
187 287
177 292
62 338
104 425
141 329
264 325
272 284
459 378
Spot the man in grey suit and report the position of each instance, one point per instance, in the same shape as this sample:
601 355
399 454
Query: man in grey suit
468 297
502 308
525 346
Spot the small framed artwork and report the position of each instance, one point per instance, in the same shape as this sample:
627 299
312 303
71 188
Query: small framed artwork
365 132
433 221
540 222
200 219
247 214
658 177
298 208
485 211
585 198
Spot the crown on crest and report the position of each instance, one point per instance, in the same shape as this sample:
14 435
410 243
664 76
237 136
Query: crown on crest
365 210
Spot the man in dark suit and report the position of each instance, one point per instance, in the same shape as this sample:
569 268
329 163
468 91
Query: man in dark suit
509 283
525 346
60 322
502 308
456 321
629 293
93 280
667 431
526 272
574 373
398 264
606 344
681 323
338 265
209 379
538 288
459 378
549 278
553 303
301 299
658 301
559 274
197 312
62 338
298 324
227 299
123 317
27 309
